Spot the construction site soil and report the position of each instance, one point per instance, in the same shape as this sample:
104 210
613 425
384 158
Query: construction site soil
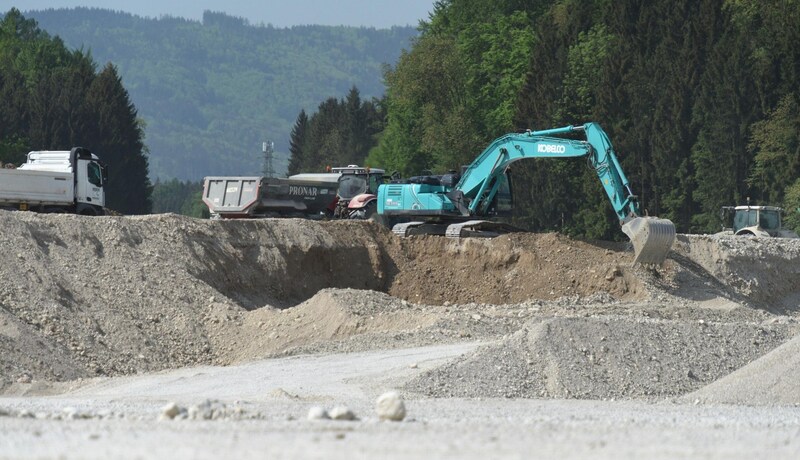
551 317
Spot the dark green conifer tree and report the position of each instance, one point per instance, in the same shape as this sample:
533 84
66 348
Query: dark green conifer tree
116 135
296 142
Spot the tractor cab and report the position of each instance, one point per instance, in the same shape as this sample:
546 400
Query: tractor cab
356 181
758 221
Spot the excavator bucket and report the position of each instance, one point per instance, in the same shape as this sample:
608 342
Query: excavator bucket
652 239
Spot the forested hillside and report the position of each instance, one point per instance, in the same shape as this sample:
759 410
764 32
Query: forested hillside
700 99
210 92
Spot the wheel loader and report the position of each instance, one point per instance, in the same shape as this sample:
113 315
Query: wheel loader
756 221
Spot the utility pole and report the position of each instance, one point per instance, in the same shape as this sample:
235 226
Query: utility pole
267 148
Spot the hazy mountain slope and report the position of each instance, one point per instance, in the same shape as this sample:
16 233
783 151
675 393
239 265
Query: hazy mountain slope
211 92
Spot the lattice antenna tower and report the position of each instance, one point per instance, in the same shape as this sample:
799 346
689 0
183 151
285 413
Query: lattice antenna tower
268 148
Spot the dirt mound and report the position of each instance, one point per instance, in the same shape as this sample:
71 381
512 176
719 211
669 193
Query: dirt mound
511 268
332 314
603 357
121 295
764 272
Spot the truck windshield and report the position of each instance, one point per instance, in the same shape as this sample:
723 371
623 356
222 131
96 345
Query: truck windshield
744 219
766 219
351 185
94 173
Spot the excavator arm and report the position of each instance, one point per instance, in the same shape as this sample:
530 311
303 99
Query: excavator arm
651 237
485 176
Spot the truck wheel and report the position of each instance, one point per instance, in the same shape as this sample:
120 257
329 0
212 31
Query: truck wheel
86 211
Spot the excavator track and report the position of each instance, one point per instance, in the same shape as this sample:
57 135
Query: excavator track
478 229
418 228
467 229
652 239
404 228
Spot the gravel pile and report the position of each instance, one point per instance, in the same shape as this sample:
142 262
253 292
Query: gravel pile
769 380
603 357
108 296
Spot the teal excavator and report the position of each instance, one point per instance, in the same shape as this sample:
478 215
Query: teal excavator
460 205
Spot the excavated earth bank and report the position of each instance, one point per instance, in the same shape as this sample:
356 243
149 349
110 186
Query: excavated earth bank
84 297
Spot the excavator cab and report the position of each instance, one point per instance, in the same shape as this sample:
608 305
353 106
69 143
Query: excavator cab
502 204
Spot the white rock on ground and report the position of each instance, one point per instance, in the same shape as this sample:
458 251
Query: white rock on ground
341 413
317 413
170 411
390 406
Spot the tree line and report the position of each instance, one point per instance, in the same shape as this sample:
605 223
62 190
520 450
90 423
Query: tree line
211 91
700 99
341 132
54 98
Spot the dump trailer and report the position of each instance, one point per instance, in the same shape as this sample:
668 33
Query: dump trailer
302 195
65 181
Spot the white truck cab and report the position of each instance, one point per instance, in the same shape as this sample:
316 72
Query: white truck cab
56 181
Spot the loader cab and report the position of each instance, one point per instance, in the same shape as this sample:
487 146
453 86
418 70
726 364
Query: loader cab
756 219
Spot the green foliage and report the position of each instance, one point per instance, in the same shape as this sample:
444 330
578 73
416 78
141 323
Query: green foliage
776 144
340 133
498 53
179 197
212 91
456 88
116 133
296 157
12 150
791 203
698 97
57 100
585 61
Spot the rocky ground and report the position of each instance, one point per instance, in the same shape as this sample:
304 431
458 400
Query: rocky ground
539 319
